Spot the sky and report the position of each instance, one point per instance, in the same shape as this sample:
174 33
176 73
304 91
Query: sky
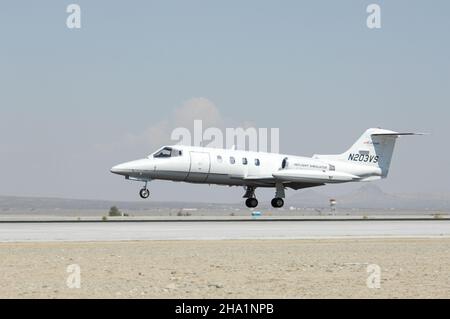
75 102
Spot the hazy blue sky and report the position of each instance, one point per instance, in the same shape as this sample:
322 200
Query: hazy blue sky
75 102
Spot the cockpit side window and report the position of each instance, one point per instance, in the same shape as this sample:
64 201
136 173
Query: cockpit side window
176 153
165 152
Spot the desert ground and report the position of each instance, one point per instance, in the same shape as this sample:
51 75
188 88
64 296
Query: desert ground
320 268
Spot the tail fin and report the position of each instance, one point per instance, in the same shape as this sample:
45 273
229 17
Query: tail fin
373 148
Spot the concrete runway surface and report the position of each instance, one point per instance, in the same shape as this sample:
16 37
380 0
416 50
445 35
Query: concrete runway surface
116 231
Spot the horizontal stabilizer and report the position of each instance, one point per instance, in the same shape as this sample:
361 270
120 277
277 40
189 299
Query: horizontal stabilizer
396 134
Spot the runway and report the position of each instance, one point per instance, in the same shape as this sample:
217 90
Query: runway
112 231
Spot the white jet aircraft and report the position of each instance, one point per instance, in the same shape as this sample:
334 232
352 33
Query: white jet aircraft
367 160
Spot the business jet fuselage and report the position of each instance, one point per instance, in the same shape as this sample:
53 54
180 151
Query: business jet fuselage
367 160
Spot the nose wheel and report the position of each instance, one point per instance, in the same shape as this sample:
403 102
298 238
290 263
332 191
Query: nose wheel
144 193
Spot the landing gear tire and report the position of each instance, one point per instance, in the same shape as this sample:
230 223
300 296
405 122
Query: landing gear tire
251 202
144 193
277 202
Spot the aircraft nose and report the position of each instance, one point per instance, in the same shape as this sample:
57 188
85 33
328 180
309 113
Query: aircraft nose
132 168
120 169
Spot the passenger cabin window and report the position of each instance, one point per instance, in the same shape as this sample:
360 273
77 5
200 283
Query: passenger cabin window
232 160
244 161
219 159
284 163
257 163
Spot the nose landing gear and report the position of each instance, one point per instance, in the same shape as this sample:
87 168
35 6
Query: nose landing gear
144 192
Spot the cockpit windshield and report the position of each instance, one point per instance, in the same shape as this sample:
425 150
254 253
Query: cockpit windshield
166 152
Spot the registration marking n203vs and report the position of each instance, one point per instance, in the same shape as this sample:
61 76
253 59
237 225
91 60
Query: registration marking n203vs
366 158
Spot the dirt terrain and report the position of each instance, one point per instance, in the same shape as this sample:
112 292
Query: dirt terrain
411 268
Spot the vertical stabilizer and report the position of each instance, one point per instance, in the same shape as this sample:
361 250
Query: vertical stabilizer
374 148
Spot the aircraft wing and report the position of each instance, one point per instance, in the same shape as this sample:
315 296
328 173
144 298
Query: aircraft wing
271 180
298 179
297 186
260 178
267 180
312 176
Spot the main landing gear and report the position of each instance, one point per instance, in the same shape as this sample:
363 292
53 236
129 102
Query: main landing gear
251 201
144 192
278 201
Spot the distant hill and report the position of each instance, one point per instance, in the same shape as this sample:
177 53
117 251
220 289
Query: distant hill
308 198
41 203
370 196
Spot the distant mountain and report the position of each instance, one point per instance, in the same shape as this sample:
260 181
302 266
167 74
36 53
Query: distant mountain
40 203
370 196
308 198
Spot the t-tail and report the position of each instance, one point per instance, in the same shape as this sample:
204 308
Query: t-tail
374 149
